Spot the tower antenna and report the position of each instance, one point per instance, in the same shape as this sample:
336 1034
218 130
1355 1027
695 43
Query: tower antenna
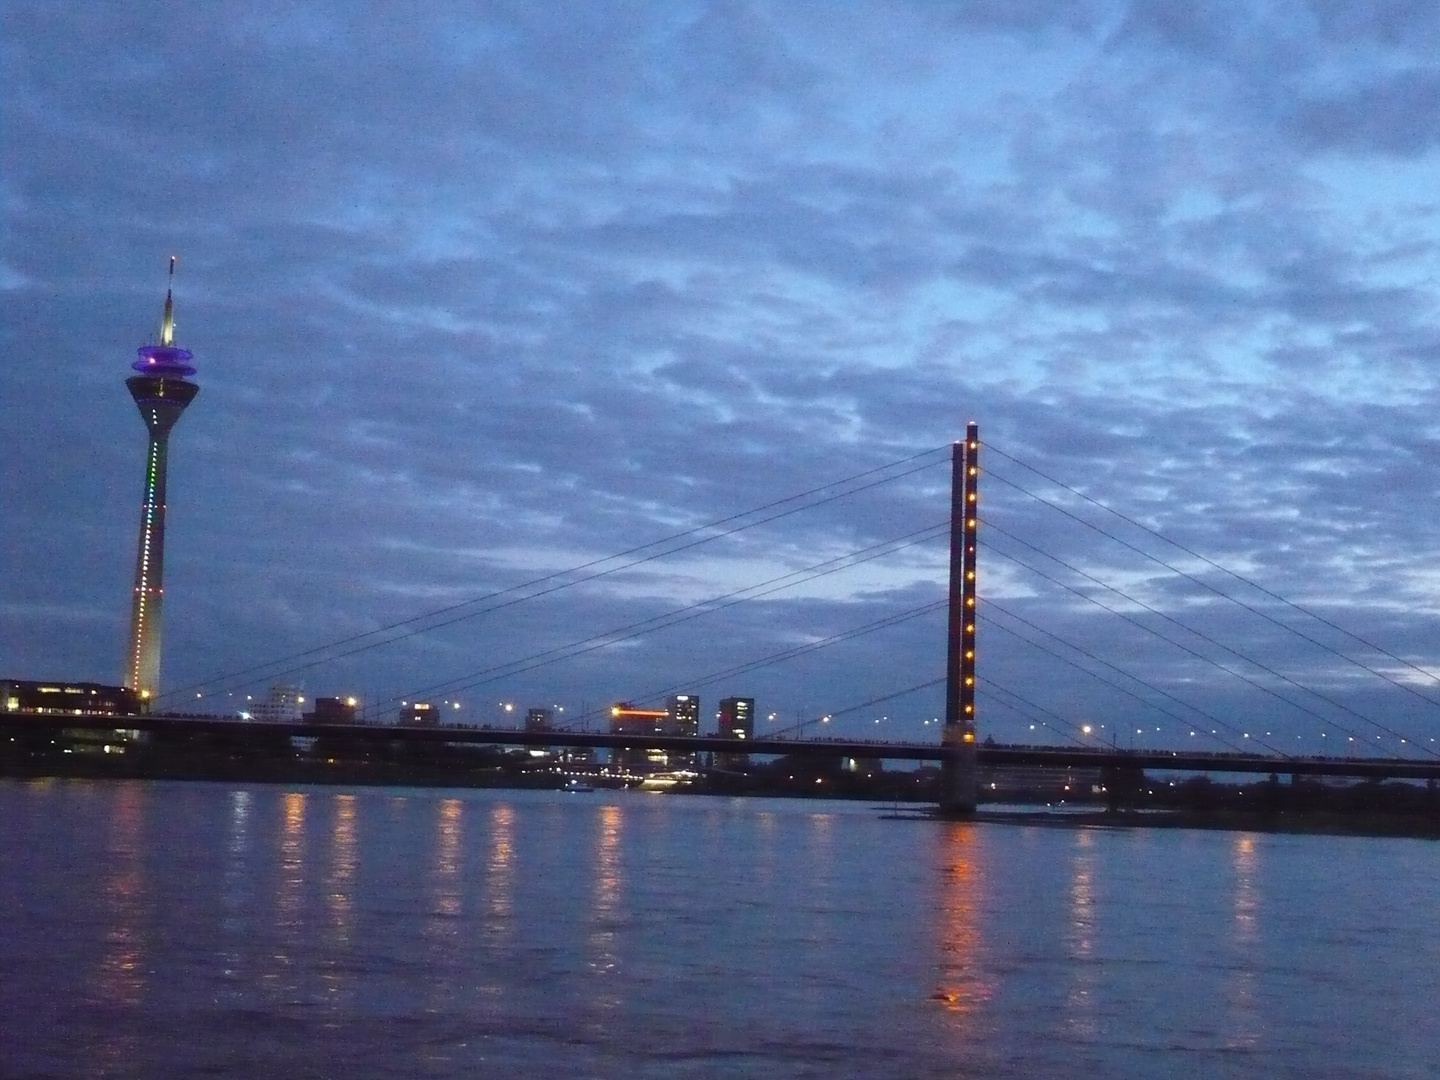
167 320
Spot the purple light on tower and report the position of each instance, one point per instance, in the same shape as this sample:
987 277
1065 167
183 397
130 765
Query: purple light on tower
161 392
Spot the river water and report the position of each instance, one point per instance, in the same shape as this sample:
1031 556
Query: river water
155 929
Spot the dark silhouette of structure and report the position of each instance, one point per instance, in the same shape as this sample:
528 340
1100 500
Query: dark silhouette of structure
958 794
737 720
66 698
161 391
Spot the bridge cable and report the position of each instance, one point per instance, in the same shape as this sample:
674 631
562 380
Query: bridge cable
1204 637
1223 569
564 573
1354 735
787 654
1192 652
993 606
782 732
990 689
684 614
799 650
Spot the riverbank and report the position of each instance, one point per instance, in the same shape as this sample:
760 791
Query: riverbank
1326 823
380 773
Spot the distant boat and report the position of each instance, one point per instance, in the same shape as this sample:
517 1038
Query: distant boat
576 785
667 781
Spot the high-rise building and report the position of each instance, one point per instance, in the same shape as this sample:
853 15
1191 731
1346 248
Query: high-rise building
161 392
419 714
684 710
332 710
684 713
627 719
282 705
736 721
537 720
737 717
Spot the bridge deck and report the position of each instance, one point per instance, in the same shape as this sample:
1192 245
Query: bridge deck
989 755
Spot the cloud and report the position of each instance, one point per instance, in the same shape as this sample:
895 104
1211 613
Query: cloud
1394 114
480 296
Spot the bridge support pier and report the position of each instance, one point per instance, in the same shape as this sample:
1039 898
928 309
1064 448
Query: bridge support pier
958 768
959 781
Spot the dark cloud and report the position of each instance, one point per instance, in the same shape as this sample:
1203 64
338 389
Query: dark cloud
1393 23
1394 114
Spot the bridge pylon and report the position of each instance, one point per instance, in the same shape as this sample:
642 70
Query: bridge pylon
958 768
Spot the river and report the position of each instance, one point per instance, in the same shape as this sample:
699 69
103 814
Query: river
167 929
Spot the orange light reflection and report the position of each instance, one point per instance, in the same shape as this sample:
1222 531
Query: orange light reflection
963 984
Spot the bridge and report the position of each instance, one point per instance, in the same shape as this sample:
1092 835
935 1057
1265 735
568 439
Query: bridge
988 756
958 751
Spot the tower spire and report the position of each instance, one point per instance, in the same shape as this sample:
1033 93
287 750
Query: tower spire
167 321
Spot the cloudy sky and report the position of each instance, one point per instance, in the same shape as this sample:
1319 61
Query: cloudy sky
482 294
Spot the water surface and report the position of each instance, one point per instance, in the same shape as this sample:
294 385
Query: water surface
155 929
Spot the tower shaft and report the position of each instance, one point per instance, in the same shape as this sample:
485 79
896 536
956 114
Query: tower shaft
148 594
958 768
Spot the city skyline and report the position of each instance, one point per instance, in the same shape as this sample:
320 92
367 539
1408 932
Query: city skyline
484 297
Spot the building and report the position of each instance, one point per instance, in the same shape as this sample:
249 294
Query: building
283 705
543 719
680 717
684 715
627 719
684 710
736 721
161 392
737 717
419 714
332 710
1029 783
67 698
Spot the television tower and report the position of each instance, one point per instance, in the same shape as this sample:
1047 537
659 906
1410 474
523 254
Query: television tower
161 392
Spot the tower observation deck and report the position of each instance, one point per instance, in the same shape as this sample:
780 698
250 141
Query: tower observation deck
161 391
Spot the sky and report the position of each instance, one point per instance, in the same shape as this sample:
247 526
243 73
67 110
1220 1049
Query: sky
482 294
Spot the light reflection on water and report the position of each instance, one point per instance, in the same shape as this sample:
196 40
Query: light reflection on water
280 978
500 872
445 934
963 986
606 912
291 883
1080 938
336 976
236 890
266 931
764 853
446 880
817 866
340 878
120 979
1244 1033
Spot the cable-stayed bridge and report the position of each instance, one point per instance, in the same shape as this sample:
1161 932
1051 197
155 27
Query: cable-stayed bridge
987 755
1191 642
